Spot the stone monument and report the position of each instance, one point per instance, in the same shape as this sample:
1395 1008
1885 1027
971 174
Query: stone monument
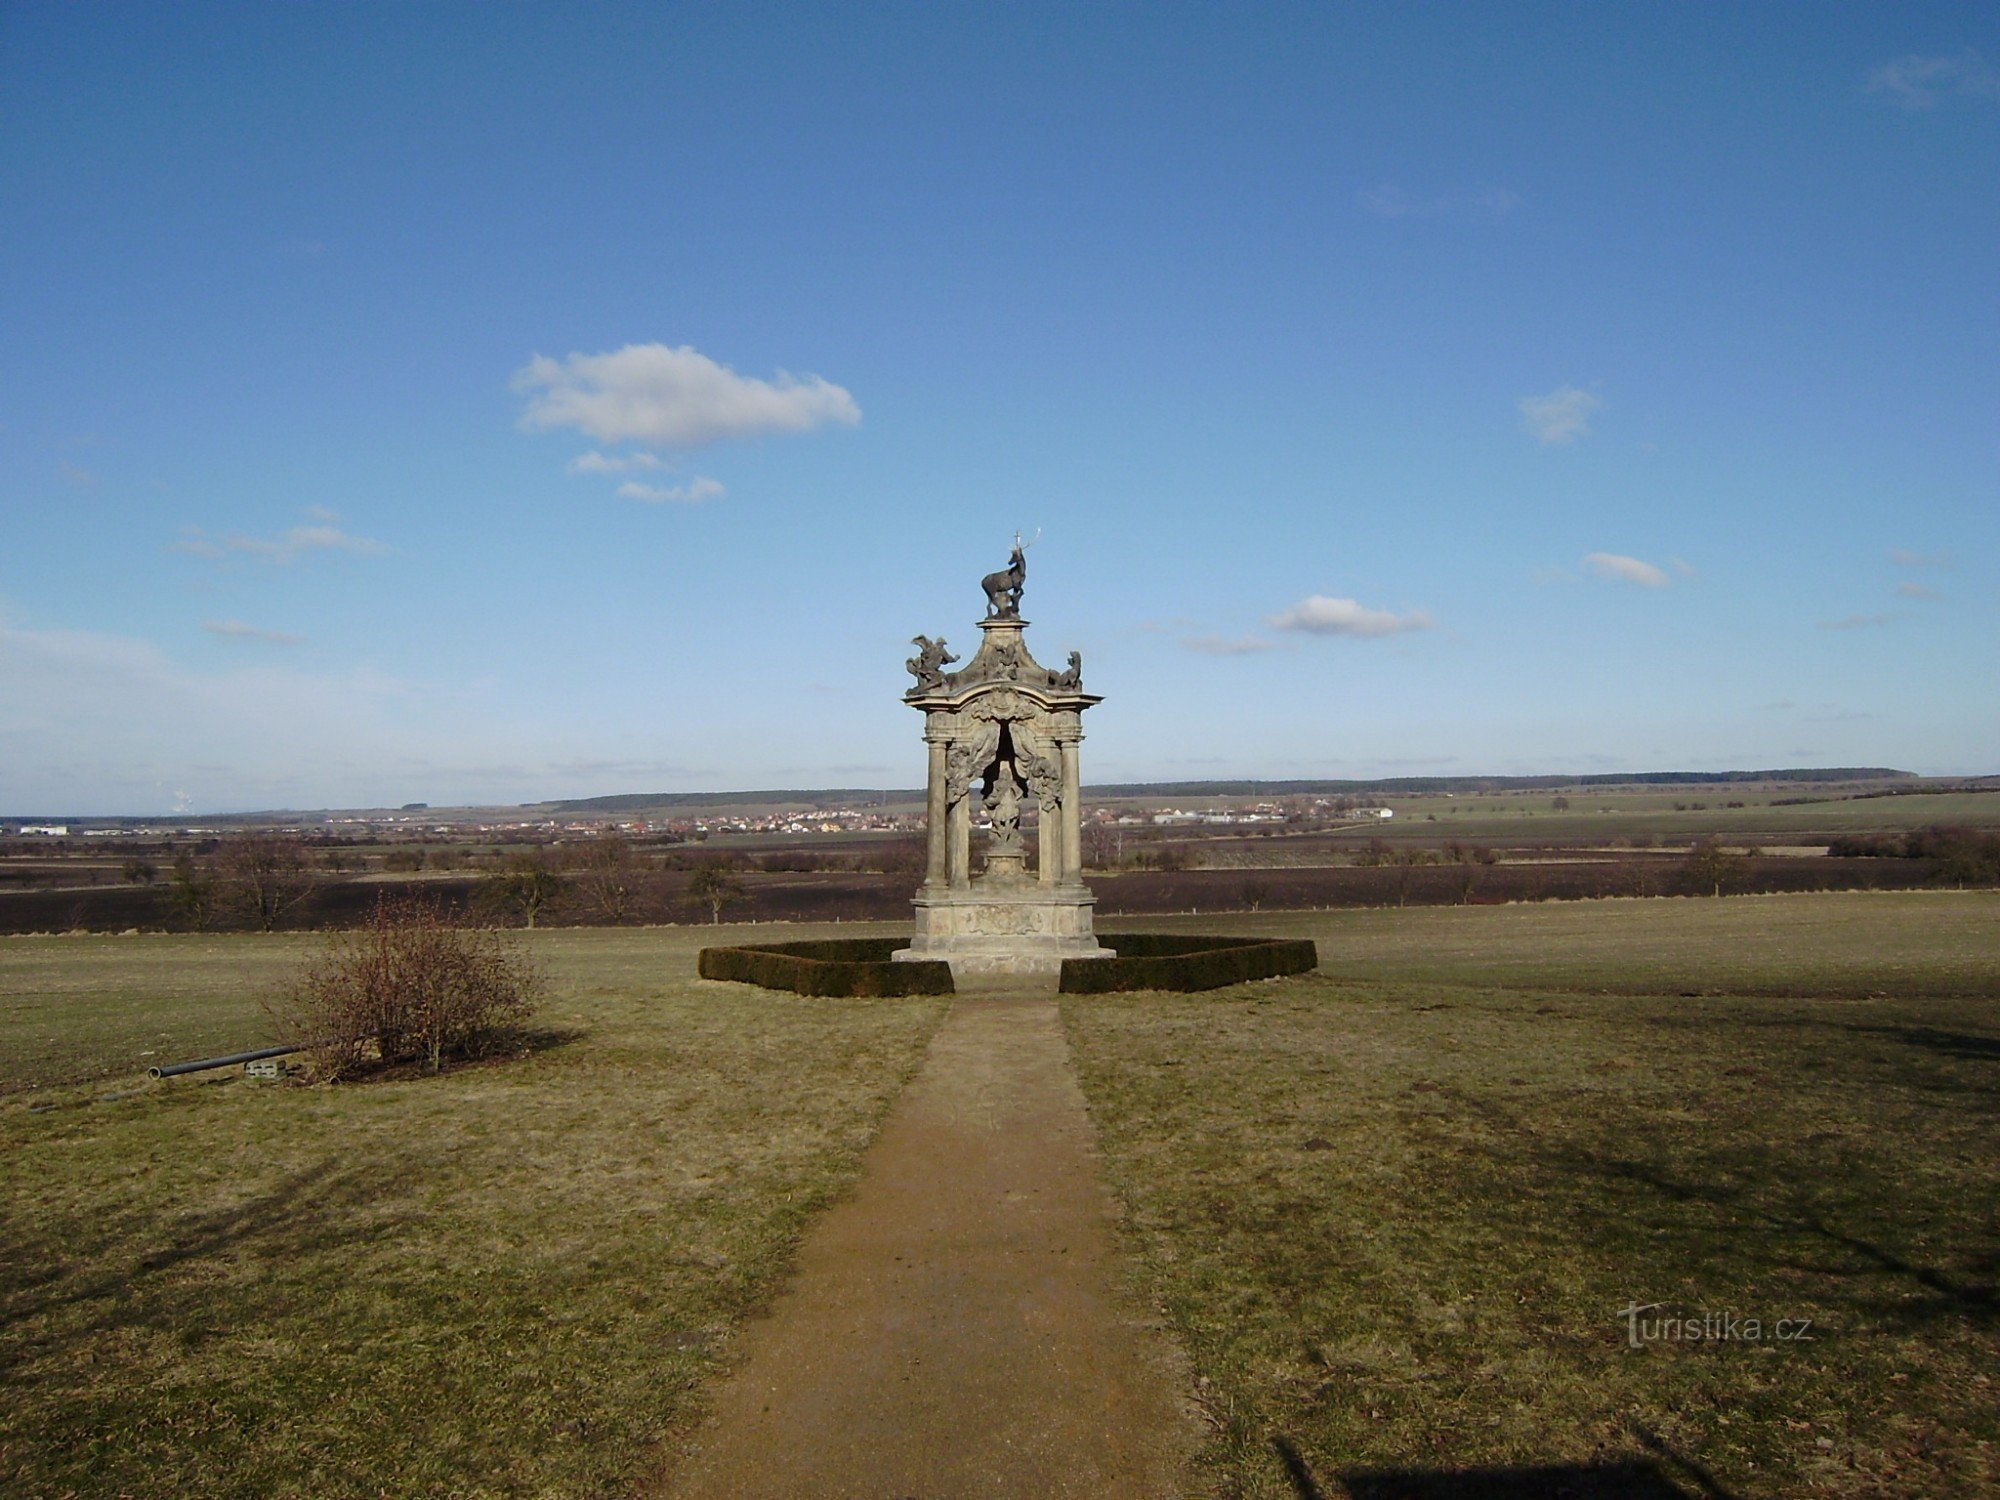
1002 734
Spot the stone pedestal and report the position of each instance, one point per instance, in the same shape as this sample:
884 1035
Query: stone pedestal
996 929
1002 732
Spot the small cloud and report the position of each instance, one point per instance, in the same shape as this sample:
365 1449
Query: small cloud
1394 203
1215 645
237 630
306 249
316 536
1683 567
1562 416
77 475
675 398
1320 615
194 541
1917 591
695 490
1917 82
1904 558
1858 622
594 462
1627 569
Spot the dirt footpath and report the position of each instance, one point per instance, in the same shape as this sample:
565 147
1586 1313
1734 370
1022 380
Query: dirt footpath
955 1328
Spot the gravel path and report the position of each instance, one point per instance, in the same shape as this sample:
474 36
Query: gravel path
957 1326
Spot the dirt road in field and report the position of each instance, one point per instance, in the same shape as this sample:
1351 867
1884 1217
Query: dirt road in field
956 1327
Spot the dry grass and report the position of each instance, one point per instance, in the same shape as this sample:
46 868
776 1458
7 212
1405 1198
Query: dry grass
512 1279
1395 1216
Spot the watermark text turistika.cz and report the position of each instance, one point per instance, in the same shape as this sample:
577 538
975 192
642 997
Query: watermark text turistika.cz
1725 1327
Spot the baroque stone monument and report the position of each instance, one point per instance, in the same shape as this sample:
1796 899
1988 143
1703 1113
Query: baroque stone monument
1003 734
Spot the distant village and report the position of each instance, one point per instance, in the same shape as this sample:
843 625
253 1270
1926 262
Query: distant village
420 821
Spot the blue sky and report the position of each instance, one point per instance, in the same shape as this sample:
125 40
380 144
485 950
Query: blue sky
474 404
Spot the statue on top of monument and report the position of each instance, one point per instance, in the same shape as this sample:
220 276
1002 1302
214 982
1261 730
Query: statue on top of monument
928 665
1003 589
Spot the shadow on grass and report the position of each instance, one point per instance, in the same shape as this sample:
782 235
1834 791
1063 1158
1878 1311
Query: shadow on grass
1975 1301
87 1282
1969 1045
1609 1479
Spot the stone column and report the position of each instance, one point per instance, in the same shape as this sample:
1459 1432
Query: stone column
961 841
937 864
1049 845
1072 813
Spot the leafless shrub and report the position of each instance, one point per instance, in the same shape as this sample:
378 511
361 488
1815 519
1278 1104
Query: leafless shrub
410 985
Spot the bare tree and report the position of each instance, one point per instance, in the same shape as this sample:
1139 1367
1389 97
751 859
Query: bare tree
1710 865
527 886
713 885
264 875
191 892
607 875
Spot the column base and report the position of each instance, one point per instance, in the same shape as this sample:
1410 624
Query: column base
1003 928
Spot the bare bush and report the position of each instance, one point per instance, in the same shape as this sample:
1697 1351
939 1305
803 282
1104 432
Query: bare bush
410 985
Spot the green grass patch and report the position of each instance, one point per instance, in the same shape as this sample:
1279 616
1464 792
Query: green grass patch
510 1279
1395 1209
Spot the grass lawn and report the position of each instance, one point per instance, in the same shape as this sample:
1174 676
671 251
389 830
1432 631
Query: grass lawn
511 1279
1395 1209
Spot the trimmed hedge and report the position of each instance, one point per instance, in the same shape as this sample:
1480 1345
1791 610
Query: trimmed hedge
1158 961
847 967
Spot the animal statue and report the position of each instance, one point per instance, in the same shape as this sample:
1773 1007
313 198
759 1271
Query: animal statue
1003 589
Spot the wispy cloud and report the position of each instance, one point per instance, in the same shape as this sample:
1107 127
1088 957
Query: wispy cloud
1918 82
237 630
318 534
77 475
1903 558
694 491
1858 622
1394 203
1215 645
673 398
1562 416
1321 615
594 462
1626 569
1917 591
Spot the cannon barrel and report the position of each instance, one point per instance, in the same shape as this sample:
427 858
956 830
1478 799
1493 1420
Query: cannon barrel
172 1070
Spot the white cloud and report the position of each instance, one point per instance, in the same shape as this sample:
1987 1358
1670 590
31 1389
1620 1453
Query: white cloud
1857 622
1903 558
675 398
237 630
1394 203
75 474
318 535
1215 645
1917 591
1918 82
594 462
695 490
1629 569
1320 615
1562 416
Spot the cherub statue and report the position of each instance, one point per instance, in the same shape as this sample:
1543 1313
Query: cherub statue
1073 677
928 665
